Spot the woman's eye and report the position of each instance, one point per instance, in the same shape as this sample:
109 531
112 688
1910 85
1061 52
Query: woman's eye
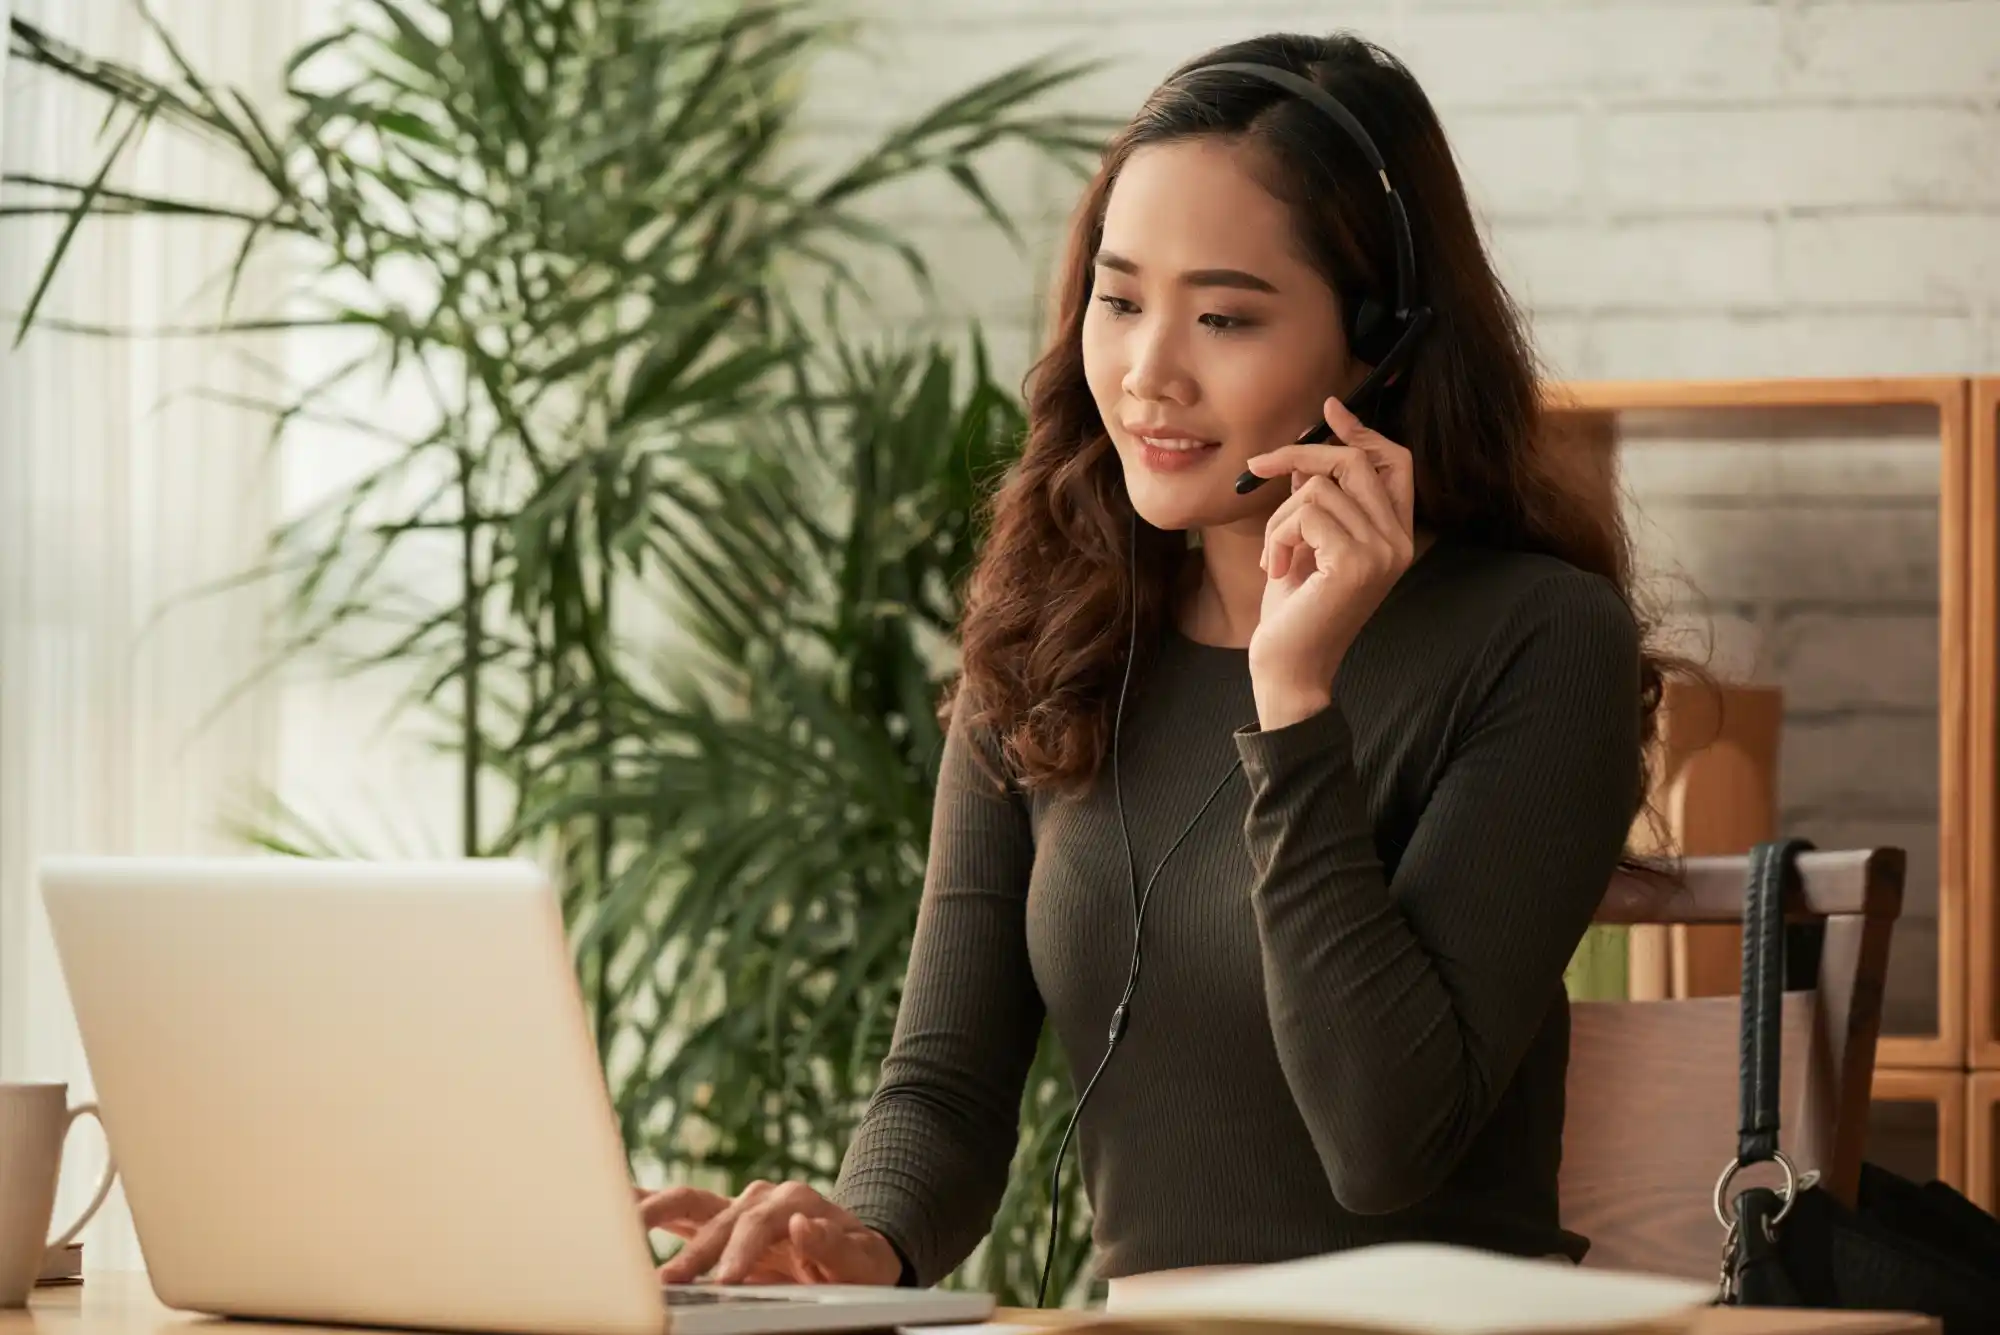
1214 321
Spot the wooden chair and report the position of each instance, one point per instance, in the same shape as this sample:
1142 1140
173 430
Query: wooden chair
1652 1089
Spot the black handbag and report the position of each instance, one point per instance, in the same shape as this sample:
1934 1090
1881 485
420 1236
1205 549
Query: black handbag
1903 1247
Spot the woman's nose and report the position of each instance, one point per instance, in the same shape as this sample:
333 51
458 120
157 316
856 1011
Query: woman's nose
1156 369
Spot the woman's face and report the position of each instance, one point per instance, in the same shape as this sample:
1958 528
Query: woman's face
1209 336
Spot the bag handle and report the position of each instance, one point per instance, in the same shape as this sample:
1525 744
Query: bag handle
1773 865
1763 1000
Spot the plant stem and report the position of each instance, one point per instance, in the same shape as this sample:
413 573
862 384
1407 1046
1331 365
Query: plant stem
468 527
604 831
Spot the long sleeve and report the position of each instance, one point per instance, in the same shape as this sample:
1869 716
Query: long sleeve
929 1161
1401 1008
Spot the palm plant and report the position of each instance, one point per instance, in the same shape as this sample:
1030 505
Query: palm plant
704 545
790 814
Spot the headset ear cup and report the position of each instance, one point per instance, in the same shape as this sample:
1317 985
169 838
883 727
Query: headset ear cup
1371 332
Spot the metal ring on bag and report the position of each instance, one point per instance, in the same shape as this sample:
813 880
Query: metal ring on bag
1789 1194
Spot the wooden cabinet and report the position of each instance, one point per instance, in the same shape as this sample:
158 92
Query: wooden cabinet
1828 523
1937 1104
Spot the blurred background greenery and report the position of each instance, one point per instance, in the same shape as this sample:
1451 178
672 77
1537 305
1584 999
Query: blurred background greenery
705 540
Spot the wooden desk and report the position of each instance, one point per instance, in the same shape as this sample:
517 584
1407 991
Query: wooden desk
1713 1321
111 1302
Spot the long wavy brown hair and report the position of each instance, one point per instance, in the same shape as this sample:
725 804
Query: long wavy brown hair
1049 603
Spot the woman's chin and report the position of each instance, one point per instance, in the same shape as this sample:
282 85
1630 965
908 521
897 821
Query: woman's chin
1167 517
1187 502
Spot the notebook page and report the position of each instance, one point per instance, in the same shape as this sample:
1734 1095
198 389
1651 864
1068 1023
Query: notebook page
1426 1289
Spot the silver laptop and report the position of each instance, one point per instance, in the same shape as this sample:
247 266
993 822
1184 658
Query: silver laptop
366 1093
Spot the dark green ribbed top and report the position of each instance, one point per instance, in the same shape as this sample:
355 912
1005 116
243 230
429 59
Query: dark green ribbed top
1350 1026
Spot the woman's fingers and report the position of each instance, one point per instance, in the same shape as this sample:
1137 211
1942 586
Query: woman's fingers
1397 468
1312 539
1359 473
770 1234
1312 460
1307 489
1391 462
1349 471
803 1232
1276 556
762 1230
1274 562
680 1210
1285 534
1368 484
1284 511
699 1253
827 1252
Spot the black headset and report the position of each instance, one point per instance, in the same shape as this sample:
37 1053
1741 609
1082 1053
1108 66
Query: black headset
1382 336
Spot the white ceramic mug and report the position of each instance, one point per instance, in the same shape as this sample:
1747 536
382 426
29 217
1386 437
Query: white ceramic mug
34 1124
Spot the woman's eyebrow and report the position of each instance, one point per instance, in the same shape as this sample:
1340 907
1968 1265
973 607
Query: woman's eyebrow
1237 278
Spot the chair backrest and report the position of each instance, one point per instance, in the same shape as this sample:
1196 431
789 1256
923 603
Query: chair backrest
1652 1089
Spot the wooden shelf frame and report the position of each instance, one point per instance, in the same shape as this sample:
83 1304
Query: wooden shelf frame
1583 418
1982 1154
1944 1090
1616 396
1983 780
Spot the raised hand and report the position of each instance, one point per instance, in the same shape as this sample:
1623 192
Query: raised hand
1332 551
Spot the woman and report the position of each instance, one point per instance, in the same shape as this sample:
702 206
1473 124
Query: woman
1382 748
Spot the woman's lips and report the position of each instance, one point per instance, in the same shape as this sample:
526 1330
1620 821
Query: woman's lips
1174 453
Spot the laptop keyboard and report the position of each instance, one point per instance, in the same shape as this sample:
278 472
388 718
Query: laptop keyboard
698 1296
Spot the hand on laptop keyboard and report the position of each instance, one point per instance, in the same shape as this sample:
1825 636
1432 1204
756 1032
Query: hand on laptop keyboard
770 1234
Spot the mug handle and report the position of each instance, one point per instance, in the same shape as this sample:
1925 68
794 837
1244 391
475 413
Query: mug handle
56 1244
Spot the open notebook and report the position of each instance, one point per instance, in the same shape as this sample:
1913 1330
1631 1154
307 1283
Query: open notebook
1409 1289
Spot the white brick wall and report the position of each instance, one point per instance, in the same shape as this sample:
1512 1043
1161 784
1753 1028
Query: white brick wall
1674 188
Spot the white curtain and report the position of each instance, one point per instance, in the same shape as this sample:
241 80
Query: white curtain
121 494
6 15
